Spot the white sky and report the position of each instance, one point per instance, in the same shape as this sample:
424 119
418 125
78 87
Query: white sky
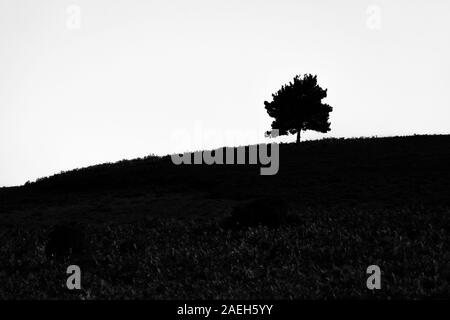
138 73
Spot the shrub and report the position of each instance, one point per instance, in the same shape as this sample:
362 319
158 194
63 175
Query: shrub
268 211
66 240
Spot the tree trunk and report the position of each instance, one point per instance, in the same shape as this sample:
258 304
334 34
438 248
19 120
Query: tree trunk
298 136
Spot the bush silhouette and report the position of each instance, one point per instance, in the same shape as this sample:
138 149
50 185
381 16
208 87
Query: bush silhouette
267 211
298 106
65 241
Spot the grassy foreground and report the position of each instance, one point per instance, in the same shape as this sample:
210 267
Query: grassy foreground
355 203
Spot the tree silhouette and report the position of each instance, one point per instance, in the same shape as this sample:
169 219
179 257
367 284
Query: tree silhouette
298 106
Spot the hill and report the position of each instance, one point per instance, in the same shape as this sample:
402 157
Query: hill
327 173
155 230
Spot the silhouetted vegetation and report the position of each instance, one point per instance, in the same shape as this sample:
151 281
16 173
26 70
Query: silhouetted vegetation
155 230
298 106
328 173
263 211
65 241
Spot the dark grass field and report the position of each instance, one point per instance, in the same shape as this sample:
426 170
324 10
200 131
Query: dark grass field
151 230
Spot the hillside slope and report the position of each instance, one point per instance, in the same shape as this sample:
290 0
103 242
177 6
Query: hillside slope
147 229
328 173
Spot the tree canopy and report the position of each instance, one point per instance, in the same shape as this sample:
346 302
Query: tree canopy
298 107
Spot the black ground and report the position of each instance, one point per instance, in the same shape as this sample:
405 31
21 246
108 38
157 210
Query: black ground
149 229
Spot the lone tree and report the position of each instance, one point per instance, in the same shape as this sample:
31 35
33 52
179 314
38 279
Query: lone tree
298 106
